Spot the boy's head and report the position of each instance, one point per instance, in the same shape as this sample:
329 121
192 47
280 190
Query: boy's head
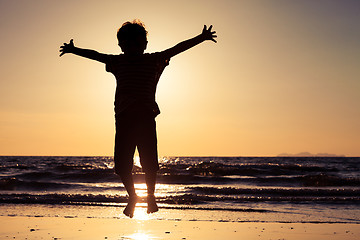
132 37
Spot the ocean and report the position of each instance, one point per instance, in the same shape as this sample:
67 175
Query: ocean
236 189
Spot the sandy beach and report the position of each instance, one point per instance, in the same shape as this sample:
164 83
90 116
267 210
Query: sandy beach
22 227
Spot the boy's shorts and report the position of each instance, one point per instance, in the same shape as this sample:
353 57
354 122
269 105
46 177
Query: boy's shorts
135 129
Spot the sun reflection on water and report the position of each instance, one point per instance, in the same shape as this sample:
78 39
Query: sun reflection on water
141 189
140 212
139 236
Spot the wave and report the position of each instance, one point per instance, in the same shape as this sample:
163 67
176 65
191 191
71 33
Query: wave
275 191
211 168
318 180
202 168
198 175
14 184
38 181
183 199
323 180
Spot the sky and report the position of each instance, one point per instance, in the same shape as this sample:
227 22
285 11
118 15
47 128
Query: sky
283 77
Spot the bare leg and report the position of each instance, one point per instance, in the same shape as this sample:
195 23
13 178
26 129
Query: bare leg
150 178
128 182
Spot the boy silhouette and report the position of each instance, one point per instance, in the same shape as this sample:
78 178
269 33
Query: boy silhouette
137 74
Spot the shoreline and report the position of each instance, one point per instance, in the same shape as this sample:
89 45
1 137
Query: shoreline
65 222
171 214
25 227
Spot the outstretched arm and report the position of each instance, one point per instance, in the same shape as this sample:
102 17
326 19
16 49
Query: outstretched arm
87 53
206 34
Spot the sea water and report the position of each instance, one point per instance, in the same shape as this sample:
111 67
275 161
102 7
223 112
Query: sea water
240 189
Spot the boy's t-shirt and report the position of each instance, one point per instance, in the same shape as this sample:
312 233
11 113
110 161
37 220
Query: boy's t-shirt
137 78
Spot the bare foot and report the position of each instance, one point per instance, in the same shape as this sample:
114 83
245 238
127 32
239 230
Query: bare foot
151 204
130 208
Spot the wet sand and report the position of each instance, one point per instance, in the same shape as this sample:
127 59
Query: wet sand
22 227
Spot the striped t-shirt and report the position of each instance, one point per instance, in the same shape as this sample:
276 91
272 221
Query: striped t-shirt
137 78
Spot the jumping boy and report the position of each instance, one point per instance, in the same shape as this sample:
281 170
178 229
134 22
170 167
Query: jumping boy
137 74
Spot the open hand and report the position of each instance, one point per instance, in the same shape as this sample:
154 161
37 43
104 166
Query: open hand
207 34
67 48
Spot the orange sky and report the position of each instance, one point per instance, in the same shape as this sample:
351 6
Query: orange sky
283 77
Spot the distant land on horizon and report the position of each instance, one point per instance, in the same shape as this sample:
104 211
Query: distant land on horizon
307 154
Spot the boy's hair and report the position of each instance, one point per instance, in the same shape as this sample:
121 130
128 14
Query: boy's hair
131 31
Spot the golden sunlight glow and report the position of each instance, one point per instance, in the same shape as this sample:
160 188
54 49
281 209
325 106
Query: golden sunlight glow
139 236
272 84
141 189
140 212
